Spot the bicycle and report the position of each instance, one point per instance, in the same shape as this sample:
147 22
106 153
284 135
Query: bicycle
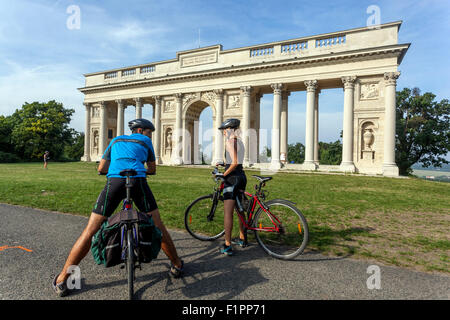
129 219
279 226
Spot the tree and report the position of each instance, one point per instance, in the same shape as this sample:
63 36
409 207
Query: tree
296 153
75 150
422 130
330 153
38 127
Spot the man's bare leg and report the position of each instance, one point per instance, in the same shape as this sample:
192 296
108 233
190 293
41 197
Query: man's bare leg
82 245
167 244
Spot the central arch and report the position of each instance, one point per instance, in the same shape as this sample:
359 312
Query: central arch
191 117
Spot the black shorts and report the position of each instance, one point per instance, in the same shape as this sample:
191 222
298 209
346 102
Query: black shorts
234 186
115 191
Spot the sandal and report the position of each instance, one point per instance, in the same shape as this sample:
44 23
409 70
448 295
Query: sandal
177 272
60 288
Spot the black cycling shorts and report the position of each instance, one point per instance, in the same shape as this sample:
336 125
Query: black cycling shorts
115 191
234 186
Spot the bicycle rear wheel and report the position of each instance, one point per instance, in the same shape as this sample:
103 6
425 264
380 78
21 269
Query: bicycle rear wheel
197 218
130 263
293 234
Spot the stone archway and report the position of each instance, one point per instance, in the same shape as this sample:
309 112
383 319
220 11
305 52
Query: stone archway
191 117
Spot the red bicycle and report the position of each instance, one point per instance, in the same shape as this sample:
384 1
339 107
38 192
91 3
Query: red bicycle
279 227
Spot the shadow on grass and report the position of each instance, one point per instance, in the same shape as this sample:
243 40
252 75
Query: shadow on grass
323 239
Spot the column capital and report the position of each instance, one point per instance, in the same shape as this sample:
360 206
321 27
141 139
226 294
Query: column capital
178 97
218 93
87 105
158 99
119 102
277 87
102 104
246 90
390 78
311 85
138 100
349 82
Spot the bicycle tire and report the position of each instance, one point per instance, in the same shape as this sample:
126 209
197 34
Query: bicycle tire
130 263
196 222
292 240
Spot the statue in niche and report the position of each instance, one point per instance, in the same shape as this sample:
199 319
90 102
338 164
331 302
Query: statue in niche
95 147
168 148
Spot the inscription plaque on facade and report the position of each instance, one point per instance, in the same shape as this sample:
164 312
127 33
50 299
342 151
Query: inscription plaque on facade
199 59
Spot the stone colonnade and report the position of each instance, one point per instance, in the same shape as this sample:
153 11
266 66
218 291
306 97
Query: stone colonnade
279 143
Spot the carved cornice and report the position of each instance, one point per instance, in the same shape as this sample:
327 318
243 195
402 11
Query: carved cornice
311 85
390 78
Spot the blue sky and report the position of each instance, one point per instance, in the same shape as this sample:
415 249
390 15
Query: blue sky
42 59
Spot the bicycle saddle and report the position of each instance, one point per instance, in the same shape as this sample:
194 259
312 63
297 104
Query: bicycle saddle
128 173
262 179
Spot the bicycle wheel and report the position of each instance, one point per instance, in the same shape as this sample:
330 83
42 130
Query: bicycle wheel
293 234
130 263
197 222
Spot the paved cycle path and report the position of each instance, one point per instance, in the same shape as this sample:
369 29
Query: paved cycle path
34 244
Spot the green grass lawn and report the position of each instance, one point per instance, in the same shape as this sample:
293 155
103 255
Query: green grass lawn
402 222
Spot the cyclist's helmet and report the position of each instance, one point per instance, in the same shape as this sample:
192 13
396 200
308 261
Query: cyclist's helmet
230 123
141 123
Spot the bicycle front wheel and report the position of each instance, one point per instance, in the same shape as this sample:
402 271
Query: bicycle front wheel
130 263
203 218
282 233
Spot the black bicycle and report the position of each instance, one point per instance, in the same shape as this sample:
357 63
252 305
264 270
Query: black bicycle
129 242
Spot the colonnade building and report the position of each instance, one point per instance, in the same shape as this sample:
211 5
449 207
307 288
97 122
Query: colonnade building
363 62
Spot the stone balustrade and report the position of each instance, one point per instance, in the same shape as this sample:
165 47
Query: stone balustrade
215 58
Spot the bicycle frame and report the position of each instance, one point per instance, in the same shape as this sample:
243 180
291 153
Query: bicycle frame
247 223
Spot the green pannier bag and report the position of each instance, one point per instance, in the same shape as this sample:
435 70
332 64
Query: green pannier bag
106 245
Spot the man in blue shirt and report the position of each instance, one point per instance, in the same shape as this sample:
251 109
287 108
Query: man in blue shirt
124 152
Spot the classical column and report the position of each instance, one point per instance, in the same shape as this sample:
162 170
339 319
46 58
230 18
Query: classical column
178 134
87 133
138 107
258 97
120 117
347 134
218 148
103 129
245 125
276 164
389 166
316 128
311 86
157 135
284 126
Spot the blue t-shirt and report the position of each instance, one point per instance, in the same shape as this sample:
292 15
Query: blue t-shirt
129 152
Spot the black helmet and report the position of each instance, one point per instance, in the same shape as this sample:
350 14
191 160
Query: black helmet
230 123
141 123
